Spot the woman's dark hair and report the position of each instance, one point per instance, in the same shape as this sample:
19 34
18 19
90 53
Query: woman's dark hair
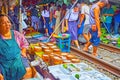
58 7
44 8
52 3
12 22
1 15
64 6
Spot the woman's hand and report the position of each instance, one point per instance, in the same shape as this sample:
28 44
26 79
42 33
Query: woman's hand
44 22
1 77
24 55
79 25
23 50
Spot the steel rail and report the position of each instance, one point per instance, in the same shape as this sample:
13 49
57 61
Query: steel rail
110 48
98 62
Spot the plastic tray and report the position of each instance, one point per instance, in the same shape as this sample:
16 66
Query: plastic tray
94 75
70 69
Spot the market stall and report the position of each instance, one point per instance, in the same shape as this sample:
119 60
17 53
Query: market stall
53 63
51 58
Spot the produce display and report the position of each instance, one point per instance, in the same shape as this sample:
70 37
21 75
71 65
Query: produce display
70 68
109 38
51 54
30 32
76 71
104 37
62 65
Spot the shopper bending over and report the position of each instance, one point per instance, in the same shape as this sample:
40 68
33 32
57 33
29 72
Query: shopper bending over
95 26
12 45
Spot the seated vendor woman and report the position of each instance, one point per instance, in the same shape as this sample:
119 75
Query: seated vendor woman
12 51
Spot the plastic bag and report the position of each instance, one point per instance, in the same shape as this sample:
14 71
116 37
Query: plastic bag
64 29
81 39
44 26
51 24
103 18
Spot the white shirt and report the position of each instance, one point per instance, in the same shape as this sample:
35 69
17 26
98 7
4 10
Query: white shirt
85 10
72 16
45 13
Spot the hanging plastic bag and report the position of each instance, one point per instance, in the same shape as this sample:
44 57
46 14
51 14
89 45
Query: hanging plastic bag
80 30
81 39
50 30
103 18
44 26
64 29
51 24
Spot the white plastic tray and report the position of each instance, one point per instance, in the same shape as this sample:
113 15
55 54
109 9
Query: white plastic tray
86 72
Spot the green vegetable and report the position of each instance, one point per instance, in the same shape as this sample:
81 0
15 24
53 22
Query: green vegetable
118 46
65 66
72 65
118 41
77 69
106 41
103 30
77 76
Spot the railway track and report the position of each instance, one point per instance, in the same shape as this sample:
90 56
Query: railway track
102 64
108 53
110 48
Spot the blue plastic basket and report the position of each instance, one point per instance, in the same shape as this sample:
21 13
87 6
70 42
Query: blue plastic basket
64 44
